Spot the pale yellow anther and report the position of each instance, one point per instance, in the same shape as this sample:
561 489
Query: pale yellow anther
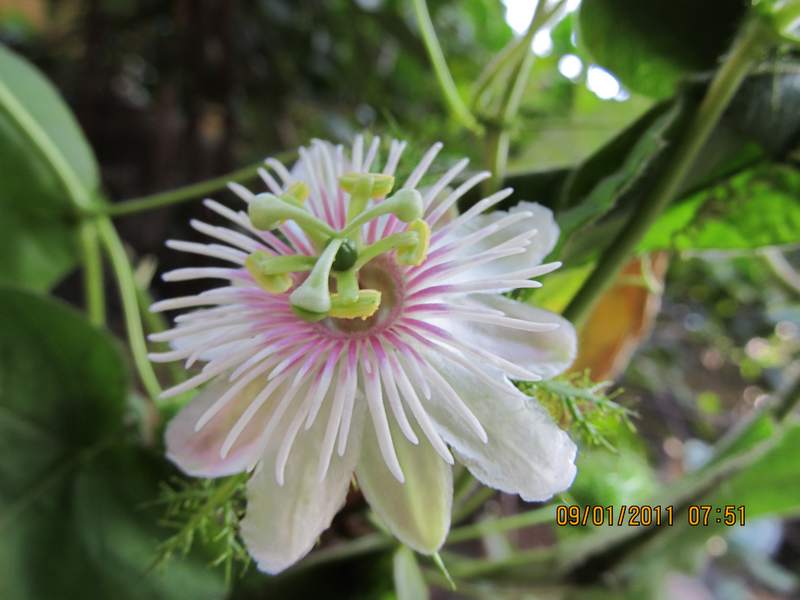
275 283
363 307
273 272
297 193
414 254
371 185
362 187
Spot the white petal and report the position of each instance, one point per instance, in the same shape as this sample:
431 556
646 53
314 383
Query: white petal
526 453
283 523
539 246
197 453
545 353
417 512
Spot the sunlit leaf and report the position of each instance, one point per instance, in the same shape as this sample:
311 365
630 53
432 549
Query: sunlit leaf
752 209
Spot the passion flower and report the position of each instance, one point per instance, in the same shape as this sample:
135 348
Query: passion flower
362 330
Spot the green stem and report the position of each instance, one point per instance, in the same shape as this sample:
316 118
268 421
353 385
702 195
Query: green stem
498 138
529 518
366 544
153 323
130 306
745 52
376 542
93 290
782 269
473 503
494 68
181 194
443 76
788 402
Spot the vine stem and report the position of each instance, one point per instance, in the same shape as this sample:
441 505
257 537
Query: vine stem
130 306
376 542
449 90
178 195
493 68
477 499
93 287
745 52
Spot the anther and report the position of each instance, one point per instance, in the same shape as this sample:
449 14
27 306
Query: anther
364 306
413 254
297 193
362 187
272 273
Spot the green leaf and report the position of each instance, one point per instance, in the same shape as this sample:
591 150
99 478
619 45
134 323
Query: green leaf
116 527
61 379
484 20
599 195
622 477
649 144
765 108
771 486
559 288
72 488
37 239
752 209
651 45
409 584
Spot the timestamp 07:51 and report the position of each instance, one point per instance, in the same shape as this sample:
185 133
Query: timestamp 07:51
646 515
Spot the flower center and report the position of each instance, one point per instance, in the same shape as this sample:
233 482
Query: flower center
382 275
366 289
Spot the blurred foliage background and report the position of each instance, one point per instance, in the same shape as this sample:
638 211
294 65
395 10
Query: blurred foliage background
701 333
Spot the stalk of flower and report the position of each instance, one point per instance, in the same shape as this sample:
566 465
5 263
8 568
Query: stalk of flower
360 332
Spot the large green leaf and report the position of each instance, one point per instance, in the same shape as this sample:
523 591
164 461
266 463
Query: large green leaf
651 45
765 108
611 189
599 195
756 208
72 489
37 240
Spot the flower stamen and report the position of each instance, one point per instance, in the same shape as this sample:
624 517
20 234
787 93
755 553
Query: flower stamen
272 273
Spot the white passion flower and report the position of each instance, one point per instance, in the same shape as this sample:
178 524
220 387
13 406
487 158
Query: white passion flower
362 331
